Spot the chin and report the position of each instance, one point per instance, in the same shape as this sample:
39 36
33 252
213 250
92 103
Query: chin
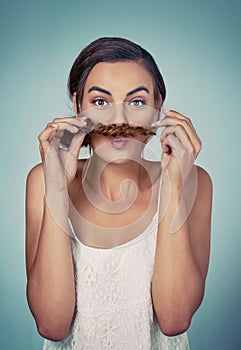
121 161
117 158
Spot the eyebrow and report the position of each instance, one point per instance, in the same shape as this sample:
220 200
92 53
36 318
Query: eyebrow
140 88
97 88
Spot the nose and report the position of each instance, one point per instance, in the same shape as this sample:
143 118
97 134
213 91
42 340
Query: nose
119 114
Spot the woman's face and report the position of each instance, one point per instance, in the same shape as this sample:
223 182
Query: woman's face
120 92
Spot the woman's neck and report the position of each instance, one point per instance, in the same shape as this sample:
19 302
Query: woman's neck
114 179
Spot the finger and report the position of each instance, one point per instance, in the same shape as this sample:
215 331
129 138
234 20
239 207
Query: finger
76 143
165 147
67 126
53 132
50 128
47 134
62 125
180 133
173 142
175 114
156 124
72 153
79 126
194 139
50 137
59 134
79 122
182 117
41 152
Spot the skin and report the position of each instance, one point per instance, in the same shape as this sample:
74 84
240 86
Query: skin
181 259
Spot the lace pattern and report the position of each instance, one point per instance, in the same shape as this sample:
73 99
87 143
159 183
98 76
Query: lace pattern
114 307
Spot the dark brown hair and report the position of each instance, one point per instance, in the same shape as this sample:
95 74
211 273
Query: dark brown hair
112 49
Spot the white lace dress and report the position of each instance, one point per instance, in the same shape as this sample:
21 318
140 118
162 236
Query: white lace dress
114 307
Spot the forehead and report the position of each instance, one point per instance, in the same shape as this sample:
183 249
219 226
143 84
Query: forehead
119 75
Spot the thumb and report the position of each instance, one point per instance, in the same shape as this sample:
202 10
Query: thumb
165 155
76 143
164 160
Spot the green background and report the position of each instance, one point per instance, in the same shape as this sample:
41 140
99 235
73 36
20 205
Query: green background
197 47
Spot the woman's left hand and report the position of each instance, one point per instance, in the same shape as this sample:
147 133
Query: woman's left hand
180 144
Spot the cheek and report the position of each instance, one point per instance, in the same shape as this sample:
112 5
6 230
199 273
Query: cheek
85 103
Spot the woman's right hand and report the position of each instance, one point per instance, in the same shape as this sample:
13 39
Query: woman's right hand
60 165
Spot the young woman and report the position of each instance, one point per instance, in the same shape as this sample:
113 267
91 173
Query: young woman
117 247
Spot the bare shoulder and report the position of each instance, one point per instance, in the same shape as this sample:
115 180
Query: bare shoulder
36 172
204 180
35 178
35 187
203 190
35 190
203 174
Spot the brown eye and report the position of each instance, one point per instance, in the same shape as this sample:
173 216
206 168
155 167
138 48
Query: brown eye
99 102
137 103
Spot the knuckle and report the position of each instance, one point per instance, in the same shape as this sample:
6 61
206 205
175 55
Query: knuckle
163 134
49 125
199 145
166 118
187 120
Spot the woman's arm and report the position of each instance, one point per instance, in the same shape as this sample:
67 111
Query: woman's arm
50 285
182 257
50 271
181 261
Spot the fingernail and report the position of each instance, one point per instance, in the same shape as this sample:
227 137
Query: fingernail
53 125
84 118
166 110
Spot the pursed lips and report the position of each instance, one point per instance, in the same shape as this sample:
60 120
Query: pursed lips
118 142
